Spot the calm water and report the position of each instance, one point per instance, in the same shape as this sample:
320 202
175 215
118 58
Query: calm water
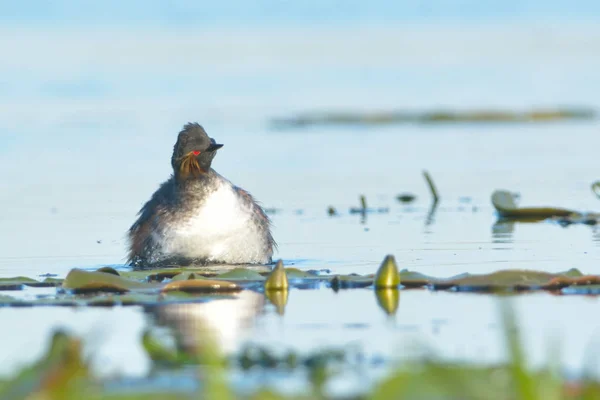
89 117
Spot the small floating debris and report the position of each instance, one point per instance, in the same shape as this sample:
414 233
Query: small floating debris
331 211
406 198
363 209
387 275
434 117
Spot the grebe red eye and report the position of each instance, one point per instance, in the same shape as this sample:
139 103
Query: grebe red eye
196 152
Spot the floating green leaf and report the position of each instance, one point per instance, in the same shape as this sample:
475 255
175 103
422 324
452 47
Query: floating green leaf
504 279
505 203
201 285
85 281
18 279
241 274
108 270
184 276
7 300
295 273
350 281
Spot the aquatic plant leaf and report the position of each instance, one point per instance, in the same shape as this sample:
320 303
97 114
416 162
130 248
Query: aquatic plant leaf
59 374
128 299
184 276
155 275
277 279
18 279
108 270
351 281
524 384
159 353
86 281
506 206
241 274
7 300
413 279
201 285
510 279
295 273
387 275
17 283
53 281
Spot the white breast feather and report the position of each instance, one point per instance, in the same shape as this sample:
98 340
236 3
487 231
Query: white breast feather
220 230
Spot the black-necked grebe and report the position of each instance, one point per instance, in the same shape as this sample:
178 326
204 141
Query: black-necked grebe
197 216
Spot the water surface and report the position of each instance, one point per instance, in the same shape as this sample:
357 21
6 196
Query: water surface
86 137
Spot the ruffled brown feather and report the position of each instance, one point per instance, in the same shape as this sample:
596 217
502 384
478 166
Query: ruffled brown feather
189 167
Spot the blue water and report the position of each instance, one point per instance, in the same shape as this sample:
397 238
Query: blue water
203 13
92 96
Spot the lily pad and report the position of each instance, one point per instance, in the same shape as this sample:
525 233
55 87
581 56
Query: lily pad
506 205
129 299
351 281
415 279
241 274
504 279
184 276
7 300
108 270
53 281
201 285
295 273
157 275
560 282
17 282
85 281
19 279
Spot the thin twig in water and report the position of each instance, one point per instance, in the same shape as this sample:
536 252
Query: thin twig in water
432 188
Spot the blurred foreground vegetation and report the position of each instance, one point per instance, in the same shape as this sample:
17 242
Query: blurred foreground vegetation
64 373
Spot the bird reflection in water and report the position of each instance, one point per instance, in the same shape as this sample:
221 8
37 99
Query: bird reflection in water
227 320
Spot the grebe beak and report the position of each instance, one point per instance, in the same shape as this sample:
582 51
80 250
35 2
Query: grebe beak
214 147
